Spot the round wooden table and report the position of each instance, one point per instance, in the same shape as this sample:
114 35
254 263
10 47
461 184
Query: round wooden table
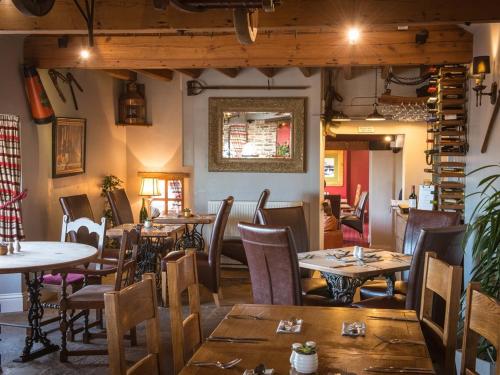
33 260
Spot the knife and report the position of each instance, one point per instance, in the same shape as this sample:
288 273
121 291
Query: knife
393 318
238 338
246 317
402 370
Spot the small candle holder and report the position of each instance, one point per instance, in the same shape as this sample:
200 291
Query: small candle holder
186 212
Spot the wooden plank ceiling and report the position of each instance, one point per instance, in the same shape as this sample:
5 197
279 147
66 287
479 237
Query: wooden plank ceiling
139 16
381 46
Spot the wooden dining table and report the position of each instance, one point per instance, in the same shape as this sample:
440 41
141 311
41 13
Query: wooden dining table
337 354
344 273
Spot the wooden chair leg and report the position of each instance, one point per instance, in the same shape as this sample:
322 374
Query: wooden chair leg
217 297
86 333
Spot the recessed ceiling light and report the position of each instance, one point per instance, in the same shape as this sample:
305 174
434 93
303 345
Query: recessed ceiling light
84 53
387 138
353 35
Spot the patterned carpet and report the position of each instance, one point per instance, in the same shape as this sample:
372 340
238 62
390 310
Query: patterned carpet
352 238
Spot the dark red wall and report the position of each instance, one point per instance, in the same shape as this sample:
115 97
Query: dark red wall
356 171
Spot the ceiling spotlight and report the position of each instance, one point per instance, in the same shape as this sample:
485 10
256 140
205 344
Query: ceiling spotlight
353 35
84 53
388 138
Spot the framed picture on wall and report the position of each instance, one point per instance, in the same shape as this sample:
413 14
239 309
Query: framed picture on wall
68 146
334 167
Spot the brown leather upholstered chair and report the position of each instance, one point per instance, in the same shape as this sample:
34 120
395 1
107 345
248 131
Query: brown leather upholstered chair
76 207
209 263
357 220
417 220
292 217
274 267
447 244
120 206
232 247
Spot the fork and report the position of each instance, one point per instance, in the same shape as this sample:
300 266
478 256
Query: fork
399 341
219 364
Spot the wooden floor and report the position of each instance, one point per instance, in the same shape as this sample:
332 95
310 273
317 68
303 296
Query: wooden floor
236 288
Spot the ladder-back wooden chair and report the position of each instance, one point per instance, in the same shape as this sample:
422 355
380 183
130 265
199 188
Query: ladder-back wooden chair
91 297
482 319
125 309
186 333
443 280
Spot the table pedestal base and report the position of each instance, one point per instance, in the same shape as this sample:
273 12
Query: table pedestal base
191 239
35 315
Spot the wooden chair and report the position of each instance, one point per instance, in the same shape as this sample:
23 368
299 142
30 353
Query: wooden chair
125 309
356 220
446 281
186 333
482 318
91 297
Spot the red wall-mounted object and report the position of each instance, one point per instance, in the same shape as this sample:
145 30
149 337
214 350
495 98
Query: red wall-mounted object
39 102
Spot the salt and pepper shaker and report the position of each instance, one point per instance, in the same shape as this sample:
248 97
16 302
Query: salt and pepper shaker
11 248
17 246
358 252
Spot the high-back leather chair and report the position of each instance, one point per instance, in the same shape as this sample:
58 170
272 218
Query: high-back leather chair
273 264
357 220
417 220
447 244
209 263
76 207
232 247
120 207
292 217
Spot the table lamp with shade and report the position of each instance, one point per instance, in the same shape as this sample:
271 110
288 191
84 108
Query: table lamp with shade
149 188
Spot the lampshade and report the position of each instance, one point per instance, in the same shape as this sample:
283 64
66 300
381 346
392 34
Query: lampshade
340 116
149 187
481 65
375 115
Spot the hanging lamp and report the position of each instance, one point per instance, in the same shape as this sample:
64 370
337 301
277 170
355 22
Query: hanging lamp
375 115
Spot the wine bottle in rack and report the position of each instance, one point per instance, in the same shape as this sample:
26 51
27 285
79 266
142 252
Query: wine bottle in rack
412 199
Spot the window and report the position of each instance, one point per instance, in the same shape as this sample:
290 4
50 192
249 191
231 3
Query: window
171 185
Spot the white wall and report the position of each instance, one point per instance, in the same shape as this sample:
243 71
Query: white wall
247 186
486 42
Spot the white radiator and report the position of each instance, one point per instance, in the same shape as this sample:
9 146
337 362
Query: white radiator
243 211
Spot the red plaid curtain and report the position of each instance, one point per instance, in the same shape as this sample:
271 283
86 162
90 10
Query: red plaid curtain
11 226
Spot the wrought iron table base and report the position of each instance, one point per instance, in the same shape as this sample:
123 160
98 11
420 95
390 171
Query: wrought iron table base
191 239
35 315
343 288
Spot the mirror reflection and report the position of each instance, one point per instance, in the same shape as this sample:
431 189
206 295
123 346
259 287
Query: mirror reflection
257 135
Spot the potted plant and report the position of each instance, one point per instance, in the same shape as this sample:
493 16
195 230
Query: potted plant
483 239
109 183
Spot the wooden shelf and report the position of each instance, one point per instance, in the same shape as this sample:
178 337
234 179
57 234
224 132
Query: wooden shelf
448 206
134 124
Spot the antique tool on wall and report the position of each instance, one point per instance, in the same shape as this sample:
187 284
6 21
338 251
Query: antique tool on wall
55 76
70 79
196 87
245 12
39 102
487 136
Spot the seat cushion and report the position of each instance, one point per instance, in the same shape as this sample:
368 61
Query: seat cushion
330 223
378 288
56 279
91 296
393 302
233 248
349 218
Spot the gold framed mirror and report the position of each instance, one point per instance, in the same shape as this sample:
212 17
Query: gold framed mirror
257 135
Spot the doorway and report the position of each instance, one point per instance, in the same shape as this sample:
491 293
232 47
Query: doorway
356 165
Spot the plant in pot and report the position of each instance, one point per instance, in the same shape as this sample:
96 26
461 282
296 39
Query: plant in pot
109 183
483 240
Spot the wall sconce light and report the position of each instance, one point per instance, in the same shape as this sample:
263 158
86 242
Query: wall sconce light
481 67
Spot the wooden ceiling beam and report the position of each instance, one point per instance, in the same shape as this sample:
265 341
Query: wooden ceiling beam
158 74
193 73
268 72
446 44
307 72
122 74
139 16
230 72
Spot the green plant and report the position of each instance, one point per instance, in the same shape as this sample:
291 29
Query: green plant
483 238
283 150
109 183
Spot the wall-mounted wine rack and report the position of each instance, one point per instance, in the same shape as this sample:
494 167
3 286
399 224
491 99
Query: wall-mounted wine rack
447 136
